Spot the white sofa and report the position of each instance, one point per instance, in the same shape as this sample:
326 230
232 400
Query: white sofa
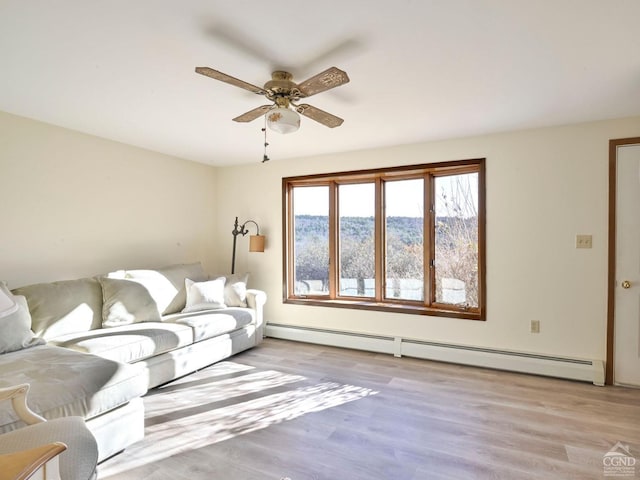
111 338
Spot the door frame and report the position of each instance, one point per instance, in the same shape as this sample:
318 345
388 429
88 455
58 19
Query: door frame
611 283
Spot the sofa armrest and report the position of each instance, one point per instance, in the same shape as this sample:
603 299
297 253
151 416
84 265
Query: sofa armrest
18 396
256 300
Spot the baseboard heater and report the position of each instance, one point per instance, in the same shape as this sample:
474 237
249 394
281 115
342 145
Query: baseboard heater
551 366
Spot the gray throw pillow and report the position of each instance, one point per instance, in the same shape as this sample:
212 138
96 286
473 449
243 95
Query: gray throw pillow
15 328
176 275
165 284
126 302
63 307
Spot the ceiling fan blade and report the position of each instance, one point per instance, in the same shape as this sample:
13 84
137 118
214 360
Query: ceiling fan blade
223 77
318 115
346 48
253 114
244 43
330 78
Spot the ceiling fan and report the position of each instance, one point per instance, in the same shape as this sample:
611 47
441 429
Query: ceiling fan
282 115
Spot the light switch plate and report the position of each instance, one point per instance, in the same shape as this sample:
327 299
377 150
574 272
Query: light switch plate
583 241
535 326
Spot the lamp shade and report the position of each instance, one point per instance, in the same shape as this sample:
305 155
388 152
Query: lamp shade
256 243
283 120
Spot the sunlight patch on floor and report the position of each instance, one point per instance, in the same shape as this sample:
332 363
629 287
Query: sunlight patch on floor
217 409
214 390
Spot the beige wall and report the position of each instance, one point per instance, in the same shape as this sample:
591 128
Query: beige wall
77 205
74 205
544 186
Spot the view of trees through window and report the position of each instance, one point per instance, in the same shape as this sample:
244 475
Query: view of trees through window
404 255
432 261
456 239
357 239
311 243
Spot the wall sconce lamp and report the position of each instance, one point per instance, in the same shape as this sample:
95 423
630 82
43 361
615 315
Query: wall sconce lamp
256 242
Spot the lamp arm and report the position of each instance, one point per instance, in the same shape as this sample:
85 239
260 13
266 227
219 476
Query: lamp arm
247 231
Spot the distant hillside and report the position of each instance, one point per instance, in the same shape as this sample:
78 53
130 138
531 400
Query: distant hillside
407 229
358 228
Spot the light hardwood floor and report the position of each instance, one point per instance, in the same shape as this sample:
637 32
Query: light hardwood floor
309 412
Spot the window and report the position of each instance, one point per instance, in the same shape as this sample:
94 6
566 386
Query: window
356 239
311 240
364 239
404 245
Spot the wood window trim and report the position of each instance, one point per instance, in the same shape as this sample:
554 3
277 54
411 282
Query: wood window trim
429 170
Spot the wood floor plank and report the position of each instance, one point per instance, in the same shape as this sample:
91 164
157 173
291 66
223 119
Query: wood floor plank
311 412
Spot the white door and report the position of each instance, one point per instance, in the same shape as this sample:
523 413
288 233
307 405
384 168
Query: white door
627 288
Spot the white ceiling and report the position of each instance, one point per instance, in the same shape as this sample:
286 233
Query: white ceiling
420 69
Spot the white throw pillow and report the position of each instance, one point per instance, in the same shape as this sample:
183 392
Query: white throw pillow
207 295
15 327
8 304
235 289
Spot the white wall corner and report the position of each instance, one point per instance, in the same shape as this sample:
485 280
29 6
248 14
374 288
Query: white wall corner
598 373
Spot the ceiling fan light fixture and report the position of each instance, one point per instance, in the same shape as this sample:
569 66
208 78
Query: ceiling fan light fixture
283 120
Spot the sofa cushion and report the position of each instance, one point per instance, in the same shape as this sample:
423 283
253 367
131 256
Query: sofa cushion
15 328
67 306
66 383
211 323
126 302
129 343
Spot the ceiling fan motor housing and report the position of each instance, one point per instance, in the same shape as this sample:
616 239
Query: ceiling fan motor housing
281 85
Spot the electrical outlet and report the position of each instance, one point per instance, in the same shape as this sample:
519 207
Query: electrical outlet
535 326
583 241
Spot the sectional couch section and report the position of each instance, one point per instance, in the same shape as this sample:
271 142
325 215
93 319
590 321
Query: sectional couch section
111 338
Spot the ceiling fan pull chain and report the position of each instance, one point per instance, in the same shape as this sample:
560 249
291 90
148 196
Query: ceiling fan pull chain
265 158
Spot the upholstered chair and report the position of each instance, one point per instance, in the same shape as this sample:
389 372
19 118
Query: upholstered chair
62 448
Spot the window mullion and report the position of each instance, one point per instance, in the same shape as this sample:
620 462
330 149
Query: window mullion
429 241
380 234
334 218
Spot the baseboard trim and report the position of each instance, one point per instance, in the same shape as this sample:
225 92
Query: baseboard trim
547 365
